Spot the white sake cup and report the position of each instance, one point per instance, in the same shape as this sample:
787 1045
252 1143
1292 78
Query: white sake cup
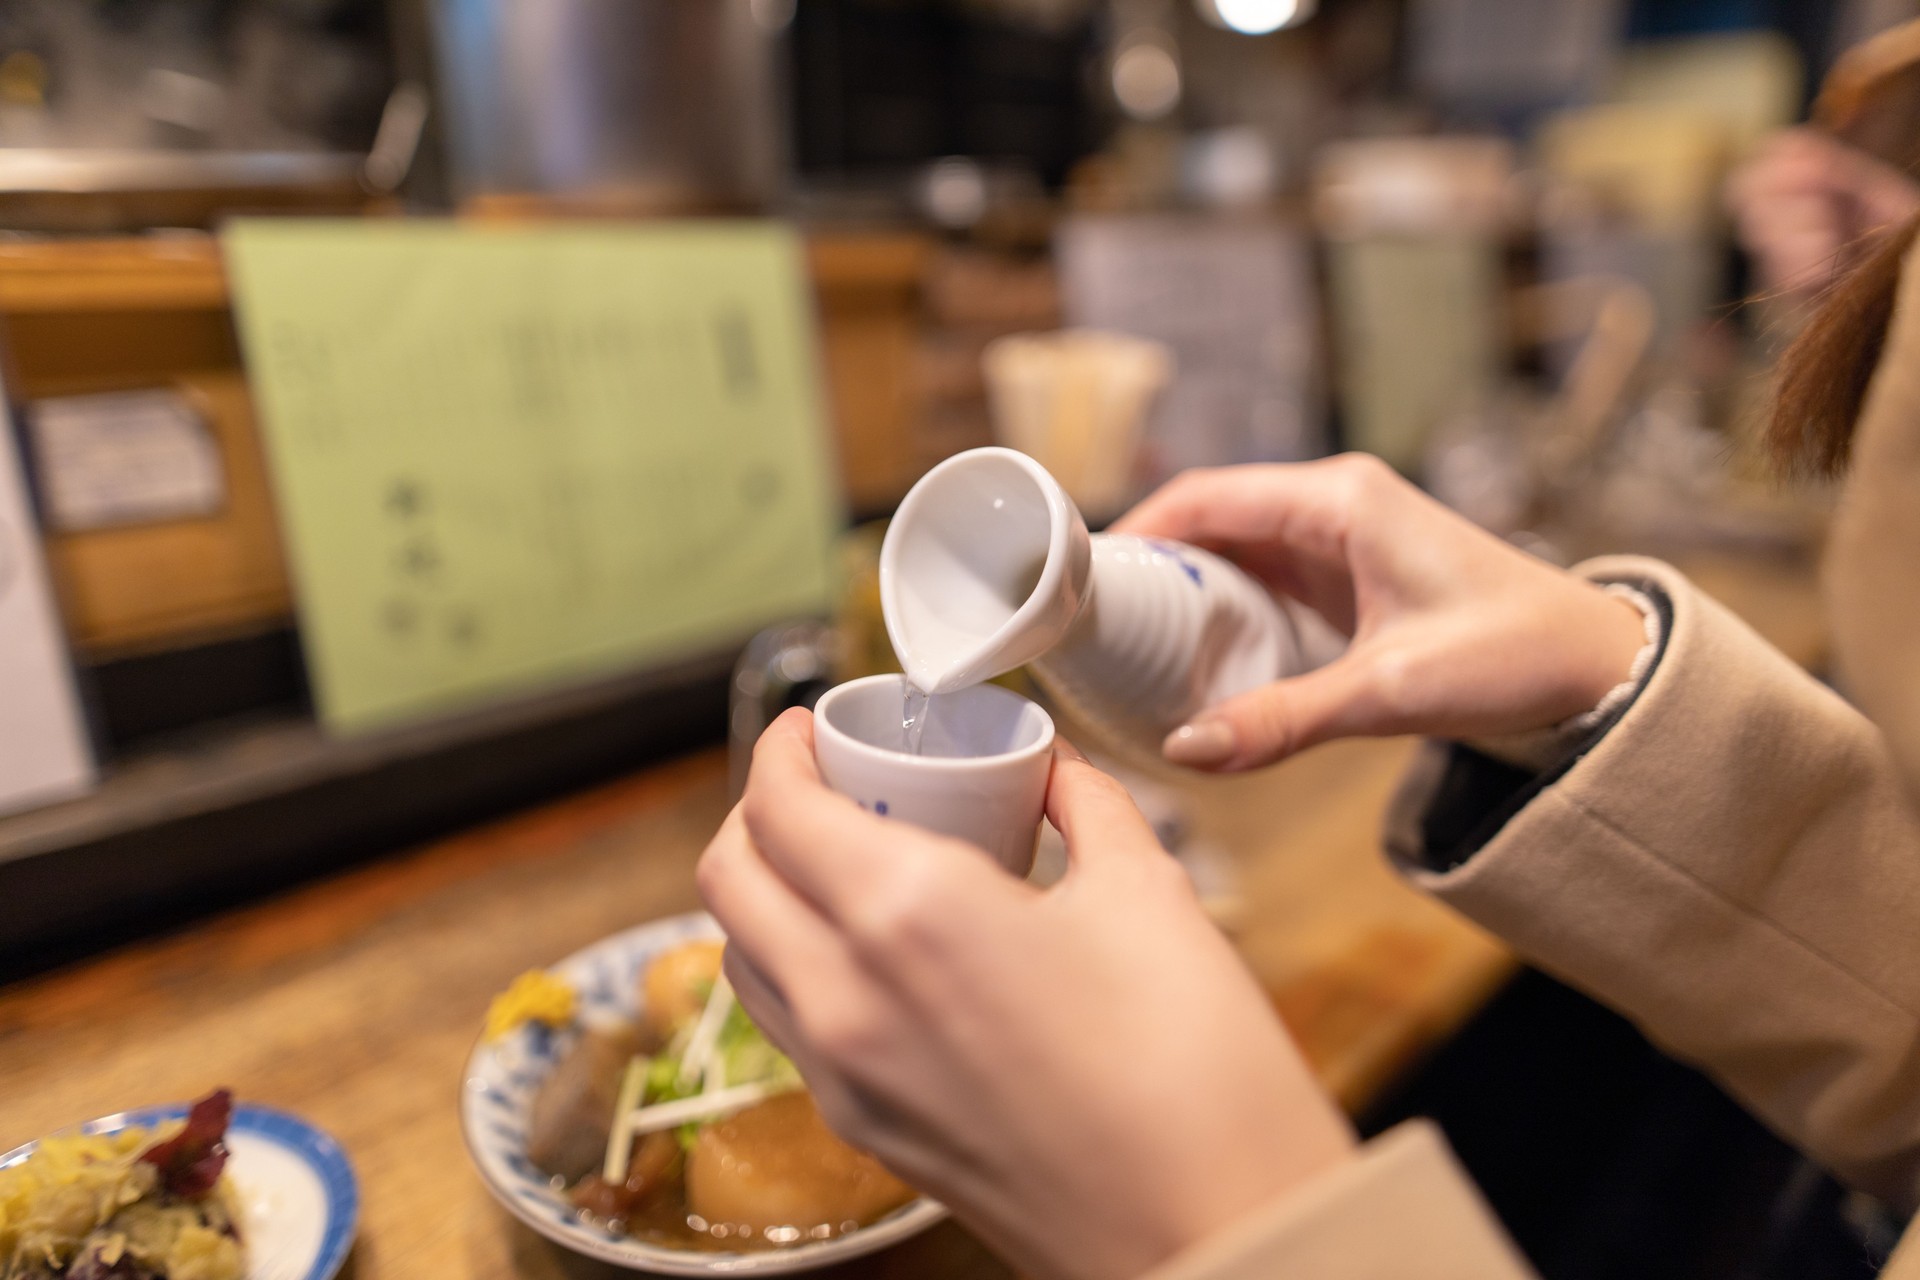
981 775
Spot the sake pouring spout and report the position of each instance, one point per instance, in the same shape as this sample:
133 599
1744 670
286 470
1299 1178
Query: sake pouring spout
988 566
985 566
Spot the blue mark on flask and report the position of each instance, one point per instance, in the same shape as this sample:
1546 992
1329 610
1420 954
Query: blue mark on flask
1172 552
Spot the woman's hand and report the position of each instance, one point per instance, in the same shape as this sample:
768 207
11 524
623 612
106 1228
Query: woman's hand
1086 1075
1455 633
1807 202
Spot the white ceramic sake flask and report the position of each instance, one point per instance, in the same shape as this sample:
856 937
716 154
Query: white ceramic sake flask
988 566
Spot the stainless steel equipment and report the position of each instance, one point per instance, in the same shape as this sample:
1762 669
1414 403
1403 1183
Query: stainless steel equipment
105 192
668 104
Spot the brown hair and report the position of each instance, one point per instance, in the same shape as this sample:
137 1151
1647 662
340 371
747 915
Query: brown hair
1825 371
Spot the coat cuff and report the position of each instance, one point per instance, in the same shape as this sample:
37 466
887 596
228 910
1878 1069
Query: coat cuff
1457 797
1331 1228
1541 750
1732 866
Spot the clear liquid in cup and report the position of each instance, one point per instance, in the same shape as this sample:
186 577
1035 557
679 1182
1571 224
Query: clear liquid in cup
913 719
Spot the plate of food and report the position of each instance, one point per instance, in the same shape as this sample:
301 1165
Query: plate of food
623 1105
207 1191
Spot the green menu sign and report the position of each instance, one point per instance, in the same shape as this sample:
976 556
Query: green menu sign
507 458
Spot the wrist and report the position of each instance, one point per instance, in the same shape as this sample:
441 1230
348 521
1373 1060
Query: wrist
1316 1140
1585 706
1618 634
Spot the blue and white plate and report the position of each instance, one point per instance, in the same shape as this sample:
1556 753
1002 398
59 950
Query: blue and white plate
502 1078
298 1197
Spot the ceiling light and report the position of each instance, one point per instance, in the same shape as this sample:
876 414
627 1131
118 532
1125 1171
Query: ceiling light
1258 17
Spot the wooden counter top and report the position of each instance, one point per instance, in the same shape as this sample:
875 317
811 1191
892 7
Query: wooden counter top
355 1001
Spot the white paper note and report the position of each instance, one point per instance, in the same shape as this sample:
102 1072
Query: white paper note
127 457
44 752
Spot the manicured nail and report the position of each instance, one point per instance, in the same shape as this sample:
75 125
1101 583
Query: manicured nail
1201 745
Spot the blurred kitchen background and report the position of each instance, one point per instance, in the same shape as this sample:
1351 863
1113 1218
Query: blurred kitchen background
1487 240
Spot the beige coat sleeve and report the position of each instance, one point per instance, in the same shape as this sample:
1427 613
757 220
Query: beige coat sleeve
1734 867
1402 1209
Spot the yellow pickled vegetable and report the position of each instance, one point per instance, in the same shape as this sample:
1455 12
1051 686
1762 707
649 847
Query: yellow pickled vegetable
92 1195
535 996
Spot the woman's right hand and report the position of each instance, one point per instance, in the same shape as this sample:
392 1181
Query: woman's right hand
1454 632
1087 1074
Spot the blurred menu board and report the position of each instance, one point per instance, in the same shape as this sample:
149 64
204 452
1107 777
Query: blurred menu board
506 458
1234 299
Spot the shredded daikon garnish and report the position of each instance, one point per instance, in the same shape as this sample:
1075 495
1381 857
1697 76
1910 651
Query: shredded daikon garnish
694 1063
702 1106
620 1141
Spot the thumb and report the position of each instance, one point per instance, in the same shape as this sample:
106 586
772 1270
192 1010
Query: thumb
1094 815
1277 720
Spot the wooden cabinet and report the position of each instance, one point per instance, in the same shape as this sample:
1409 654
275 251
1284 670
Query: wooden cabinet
96 316
869 289
113 315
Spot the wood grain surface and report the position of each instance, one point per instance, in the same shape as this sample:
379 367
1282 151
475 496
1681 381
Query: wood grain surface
354 1002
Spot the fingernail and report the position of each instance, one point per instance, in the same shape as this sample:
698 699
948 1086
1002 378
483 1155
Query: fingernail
1070 751
1201 745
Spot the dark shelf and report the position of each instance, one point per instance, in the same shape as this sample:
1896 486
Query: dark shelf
201 821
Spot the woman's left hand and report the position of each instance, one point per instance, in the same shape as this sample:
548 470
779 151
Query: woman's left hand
1086 1075
1807 204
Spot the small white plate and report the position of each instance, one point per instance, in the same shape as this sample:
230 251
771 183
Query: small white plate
299 1200
503 1077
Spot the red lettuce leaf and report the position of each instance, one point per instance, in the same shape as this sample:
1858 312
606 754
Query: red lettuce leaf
89 1267
190 1162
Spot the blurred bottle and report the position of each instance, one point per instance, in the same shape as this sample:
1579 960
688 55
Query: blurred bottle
1416 230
